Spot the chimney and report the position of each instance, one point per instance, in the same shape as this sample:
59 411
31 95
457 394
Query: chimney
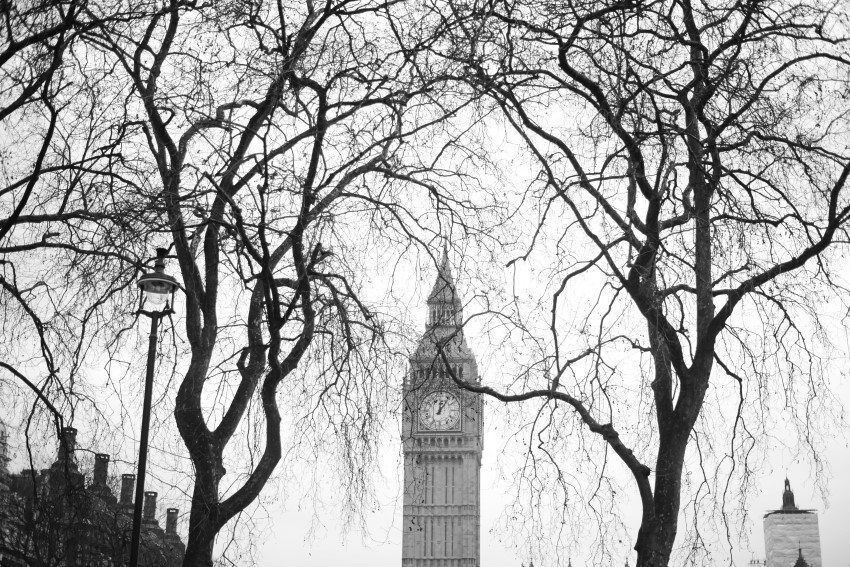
101 466
4 449
149 511
171 521
67 444
128 482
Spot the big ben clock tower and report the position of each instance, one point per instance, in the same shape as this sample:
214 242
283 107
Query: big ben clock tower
442 442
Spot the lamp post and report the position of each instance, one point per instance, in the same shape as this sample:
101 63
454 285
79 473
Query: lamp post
156 300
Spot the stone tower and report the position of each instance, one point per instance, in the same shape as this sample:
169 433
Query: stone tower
442 441
791 534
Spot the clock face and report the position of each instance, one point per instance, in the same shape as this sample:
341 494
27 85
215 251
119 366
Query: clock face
439 411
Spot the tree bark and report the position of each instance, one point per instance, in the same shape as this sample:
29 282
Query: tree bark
203 522
656 542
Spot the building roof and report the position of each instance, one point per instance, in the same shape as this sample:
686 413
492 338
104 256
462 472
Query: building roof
56 514
789 506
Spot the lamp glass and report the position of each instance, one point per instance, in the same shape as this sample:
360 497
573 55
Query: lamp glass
155 299
156 293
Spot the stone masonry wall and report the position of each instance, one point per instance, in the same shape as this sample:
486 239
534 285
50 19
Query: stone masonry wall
785 532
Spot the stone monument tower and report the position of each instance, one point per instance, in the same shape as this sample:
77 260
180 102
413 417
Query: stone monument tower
442 441
791 534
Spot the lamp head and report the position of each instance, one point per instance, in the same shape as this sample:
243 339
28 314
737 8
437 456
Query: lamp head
156 289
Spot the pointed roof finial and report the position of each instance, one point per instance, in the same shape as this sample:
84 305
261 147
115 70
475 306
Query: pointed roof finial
444 286
788 497
445 267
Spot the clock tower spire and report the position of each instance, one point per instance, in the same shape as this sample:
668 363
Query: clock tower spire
444 308
442 440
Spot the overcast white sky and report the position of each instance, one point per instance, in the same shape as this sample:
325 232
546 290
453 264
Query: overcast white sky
293 537
290 542
301 536
298 535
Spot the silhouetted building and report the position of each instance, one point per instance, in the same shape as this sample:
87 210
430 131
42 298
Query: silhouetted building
52 519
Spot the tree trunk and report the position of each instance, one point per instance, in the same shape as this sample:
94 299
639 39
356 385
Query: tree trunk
203 519
655 544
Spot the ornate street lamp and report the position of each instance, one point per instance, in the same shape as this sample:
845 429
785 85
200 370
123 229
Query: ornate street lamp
156 289
156 300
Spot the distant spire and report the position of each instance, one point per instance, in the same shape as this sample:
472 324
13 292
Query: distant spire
800 561
788 497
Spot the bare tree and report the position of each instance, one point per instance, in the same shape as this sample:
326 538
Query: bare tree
276 149
690 173
44 101
35 39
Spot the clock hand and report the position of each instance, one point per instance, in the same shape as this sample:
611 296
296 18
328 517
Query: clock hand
440 409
